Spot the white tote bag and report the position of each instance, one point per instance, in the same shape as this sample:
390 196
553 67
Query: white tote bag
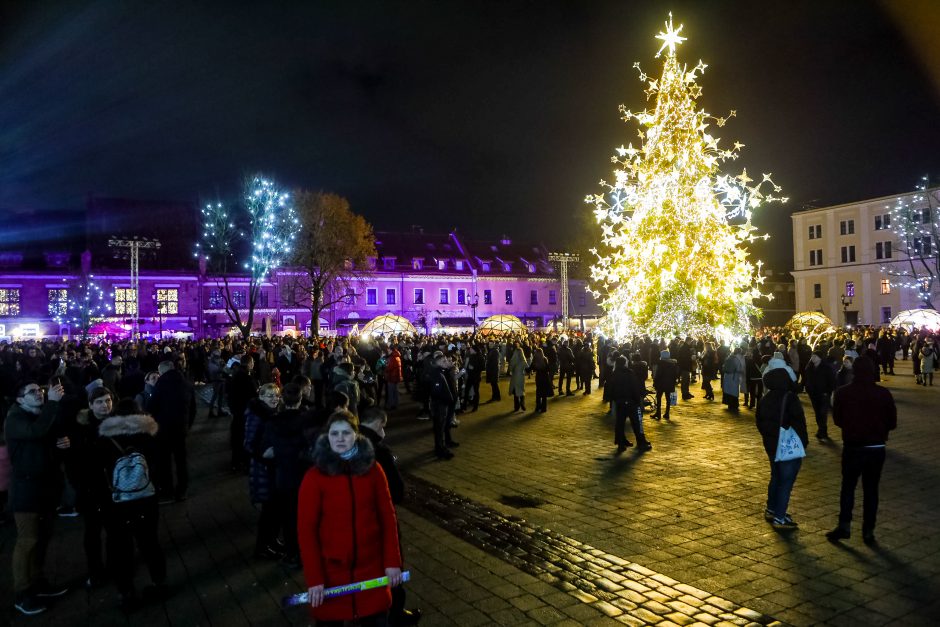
789 444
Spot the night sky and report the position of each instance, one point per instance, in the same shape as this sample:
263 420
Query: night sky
491 117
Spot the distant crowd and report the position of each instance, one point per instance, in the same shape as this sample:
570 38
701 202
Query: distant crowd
99 429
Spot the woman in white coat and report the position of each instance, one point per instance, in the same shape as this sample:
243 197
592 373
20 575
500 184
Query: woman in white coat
732 379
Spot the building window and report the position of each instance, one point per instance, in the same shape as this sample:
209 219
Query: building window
922 245
487 297
238 299
883 222
9 302
417 263
461 297
262 299
168 301
388 263
815 231
850 288
216 300
925 215
848 254
507 267
847 227
533 297
817 290
486 266
885 315
372 296
815 257
883 250
445 296
441 264
582 300
531 267
390 296
458 264
419 296
885 286
508 297
58 302
552 298
350 297
125 301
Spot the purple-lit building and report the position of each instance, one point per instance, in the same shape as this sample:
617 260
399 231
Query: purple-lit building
439 282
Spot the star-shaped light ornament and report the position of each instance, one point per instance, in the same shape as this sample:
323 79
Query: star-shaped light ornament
670 38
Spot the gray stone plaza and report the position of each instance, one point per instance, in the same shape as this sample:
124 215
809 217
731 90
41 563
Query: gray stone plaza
537 521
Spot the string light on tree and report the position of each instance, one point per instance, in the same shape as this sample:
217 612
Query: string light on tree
915 260
674 229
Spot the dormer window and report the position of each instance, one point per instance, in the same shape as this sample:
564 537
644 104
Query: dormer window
485 265
458 264
372 261
441 264
507 267
388 263
417 263
531 267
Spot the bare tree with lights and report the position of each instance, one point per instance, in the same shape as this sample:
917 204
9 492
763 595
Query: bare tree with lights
81 304
332 253
252 239
673 255
916 223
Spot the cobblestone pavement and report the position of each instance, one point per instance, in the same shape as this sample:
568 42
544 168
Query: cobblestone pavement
536 521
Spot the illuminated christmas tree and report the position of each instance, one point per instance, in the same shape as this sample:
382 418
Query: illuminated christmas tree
80 305
673 257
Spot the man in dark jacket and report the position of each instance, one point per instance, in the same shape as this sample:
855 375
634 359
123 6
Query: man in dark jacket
585 365
30 433
474 367
625 391
866 413
664 382
684 363
820 381
372 426
173 406
565 368
492 371
441 400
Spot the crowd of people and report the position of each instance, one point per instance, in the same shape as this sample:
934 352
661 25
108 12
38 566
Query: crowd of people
100 429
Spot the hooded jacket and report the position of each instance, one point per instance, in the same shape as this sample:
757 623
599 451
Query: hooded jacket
864 410
768 418
347 530
132 432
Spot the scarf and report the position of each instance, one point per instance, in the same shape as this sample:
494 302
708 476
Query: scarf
350 453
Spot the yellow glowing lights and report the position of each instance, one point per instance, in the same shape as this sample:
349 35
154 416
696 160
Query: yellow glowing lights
673 228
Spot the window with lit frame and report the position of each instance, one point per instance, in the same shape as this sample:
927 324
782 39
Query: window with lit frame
168 301
885 286
9 301
125 301
58 302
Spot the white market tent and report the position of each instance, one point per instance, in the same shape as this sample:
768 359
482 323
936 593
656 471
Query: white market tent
388 324
920 318
501 324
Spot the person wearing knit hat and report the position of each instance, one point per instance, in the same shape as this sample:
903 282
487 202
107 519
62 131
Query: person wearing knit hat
780 409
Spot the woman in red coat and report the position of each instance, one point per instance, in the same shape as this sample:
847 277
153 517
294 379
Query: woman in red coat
346 526
393 376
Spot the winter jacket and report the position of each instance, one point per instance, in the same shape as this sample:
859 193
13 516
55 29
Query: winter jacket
261 470
385 459
393 369
36 479
347 530
666 375
492 365
344 382
863 410
623 387
286 432
584 362
819 377
565 359
543 378
134 432
173 404
89 482
732 376
518 364
768 419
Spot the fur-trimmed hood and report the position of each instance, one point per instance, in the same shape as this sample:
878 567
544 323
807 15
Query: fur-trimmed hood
134 424
331 464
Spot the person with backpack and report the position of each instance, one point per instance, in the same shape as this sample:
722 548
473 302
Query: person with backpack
127 449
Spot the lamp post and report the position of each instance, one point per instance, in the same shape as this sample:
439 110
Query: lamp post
846 303
474 303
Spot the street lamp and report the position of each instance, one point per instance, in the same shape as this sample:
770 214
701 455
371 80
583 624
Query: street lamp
474 303
846 303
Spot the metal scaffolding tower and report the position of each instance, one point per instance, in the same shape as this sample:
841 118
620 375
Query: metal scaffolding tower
563 260
133 245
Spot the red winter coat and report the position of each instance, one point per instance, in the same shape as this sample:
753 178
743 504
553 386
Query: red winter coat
347 530
393 368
